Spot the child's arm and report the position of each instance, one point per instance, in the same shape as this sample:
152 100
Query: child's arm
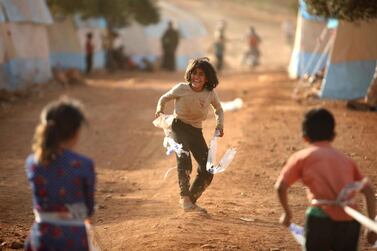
281 189
170 95
219 114
371 208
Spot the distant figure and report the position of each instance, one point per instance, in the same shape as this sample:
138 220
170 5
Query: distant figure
287 28
219 48
220 30
219 44
62 181
252 55
169 41
89 51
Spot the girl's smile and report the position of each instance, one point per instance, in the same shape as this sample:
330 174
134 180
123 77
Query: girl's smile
198 79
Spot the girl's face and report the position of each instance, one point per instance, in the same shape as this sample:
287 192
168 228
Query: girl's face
198 79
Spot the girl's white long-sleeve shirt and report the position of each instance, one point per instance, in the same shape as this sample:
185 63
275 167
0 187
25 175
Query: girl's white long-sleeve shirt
192 107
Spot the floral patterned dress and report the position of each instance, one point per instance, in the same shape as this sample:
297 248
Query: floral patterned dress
56 189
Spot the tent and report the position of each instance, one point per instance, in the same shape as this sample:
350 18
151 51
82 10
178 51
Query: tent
352 61
24 50
67 42
310 49
144 42
347 51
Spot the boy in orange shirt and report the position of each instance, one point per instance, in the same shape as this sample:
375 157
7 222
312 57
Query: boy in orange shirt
324 171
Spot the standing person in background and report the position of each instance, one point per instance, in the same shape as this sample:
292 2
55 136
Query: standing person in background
62 181
192 101
253 53
219 44
288 30
89 51
169 42
219 48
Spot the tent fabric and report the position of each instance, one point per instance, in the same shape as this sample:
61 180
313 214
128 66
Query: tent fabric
35 11
305 14
352 62
25 55
24 49
308 47
67 39
144 42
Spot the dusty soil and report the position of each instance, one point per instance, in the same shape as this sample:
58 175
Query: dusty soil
137 209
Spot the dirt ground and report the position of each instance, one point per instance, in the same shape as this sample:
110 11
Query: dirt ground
137 208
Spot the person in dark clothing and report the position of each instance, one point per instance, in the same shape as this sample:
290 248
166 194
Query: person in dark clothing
169 41
89 50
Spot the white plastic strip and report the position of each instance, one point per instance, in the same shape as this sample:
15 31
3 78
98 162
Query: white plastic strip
225 160
298 233
365 221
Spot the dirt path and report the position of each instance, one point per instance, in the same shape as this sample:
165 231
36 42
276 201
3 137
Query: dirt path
137 209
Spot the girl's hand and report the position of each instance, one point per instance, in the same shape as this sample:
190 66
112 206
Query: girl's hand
157 114
219 132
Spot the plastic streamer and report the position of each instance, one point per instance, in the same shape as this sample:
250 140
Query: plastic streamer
225 160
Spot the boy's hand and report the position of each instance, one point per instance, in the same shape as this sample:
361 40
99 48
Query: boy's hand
285 219
371 236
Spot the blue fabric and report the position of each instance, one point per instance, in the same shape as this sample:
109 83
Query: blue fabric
20 72
37 11
67 180
300 62
305 14
76 60
332 23
348 80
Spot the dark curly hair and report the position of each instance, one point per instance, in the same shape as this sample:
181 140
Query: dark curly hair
318 125
209 71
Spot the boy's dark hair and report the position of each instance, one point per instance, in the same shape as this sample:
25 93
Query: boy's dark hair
89 35
60 120
318 125
209 71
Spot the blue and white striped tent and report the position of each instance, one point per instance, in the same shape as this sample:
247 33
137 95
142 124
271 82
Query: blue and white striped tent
312 36
140 42
24 50
352 61
67 42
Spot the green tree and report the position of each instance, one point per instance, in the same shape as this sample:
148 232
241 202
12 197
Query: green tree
349 10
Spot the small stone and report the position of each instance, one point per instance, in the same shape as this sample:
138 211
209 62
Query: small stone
209 246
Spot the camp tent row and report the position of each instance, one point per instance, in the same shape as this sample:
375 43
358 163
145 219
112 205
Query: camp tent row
346 50
31 43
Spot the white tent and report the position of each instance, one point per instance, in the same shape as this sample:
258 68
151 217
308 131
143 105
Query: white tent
24 50
67 42
346 50
144 42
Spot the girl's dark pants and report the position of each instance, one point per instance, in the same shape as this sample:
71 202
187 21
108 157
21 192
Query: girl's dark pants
324 234
192 141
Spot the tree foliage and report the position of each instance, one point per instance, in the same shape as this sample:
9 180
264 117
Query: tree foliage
117 13
349 10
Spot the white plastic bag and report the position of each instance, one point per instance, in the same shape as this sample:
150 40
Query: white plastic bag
298 233
225 160
164 122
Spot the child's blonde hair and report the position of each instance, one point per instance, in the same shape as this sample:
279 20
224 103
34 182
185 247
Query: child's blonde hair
59 121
